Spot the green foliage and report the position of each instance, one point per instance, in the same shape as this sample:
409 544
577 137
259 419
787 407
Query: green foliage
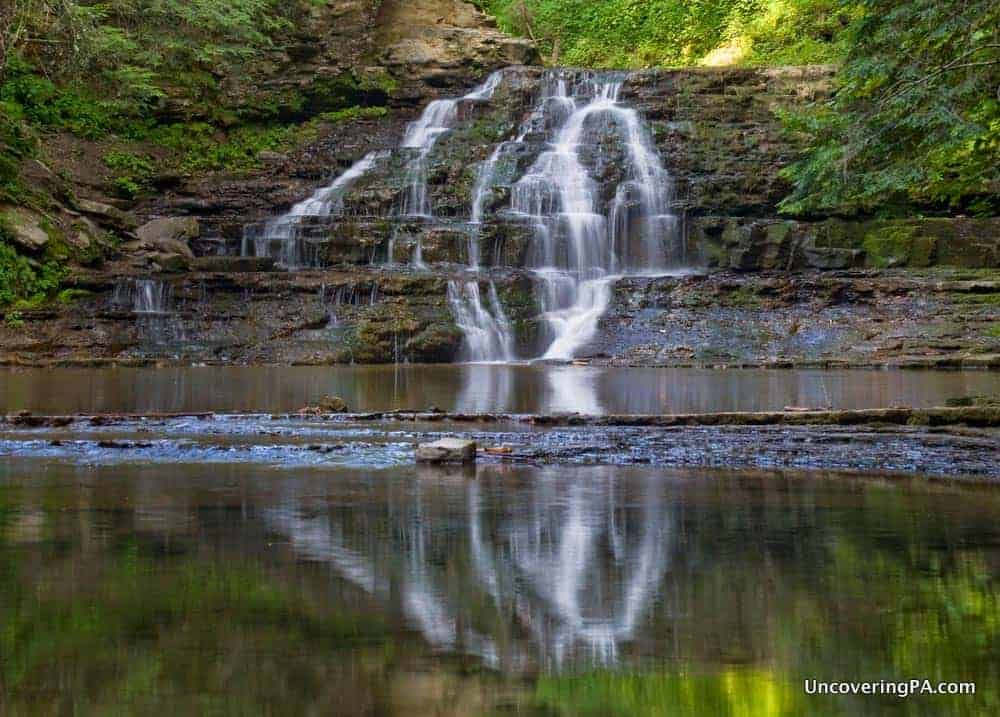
15 145
199 146
916 118
136 52
25 282
794 32
21 281
133 172
651 33
26 95
354 113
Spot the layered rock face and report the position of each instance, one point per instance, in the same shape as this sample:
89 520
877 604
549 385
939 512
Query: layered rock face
394 228
400 51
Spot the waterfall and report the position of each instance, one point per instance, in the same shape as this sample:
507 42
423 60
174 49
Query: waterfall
487 331
151 297
285 237
437 119
151 302
582 246
488 334
595 199
582 241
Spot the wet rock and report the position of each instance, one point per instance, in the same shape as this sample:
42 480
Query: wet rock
333 404
170 263
234 264
831 244
447 450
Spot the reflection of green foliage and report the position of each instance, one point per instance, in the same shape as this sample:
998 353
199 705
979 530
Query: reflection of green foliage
148 628
950 619
731 693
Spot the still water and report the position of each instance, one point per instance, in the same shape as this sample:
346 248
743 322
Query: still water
598 591
480 388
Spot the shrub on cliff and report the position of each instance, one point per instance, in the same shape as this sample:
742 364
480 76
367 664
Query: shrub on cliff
916 117
654 33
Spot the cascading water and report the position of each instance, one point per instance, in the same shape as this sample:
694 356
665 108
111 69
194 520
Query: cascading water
286 237
151 302
487 331
582 242
595 198
152 297
437 119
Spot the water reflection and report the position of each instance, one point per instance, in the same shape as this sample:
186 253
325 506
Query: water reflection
573 572
593 591
480 388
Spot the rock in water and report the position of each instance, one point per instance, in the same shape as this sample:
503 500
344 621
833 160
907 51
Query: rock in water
333 404
447 450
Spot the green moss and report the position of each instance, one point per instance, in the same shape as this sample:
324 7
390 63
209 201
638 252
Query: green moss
977 299
743 297
68 296
354 113
896 244
994 331
24 281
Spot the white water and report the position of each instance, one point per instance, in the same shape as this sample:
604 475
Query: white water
487 331
582 242
437 119
286 231
581 247
584 236
151 297
152 303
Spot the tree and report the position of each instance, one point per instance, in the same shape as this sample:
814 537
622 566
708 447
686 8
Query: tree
915 121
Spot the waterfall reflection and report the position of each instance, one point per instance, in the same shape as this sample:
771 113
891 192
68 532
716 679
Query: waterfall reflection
559 573
523 389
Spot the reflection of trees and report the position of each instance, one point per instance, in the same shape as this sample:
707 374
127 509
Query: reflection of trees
737 588
568 572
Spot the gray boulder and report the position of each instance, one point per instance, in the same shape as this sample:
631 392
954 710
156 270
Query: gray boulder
447 450
24 229
170 234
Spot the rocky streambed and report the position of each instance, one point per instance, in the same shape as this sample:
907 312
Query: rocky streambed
954 443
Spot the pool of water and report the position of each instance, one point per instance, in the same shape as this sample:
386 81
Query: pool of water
237 589
480 388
